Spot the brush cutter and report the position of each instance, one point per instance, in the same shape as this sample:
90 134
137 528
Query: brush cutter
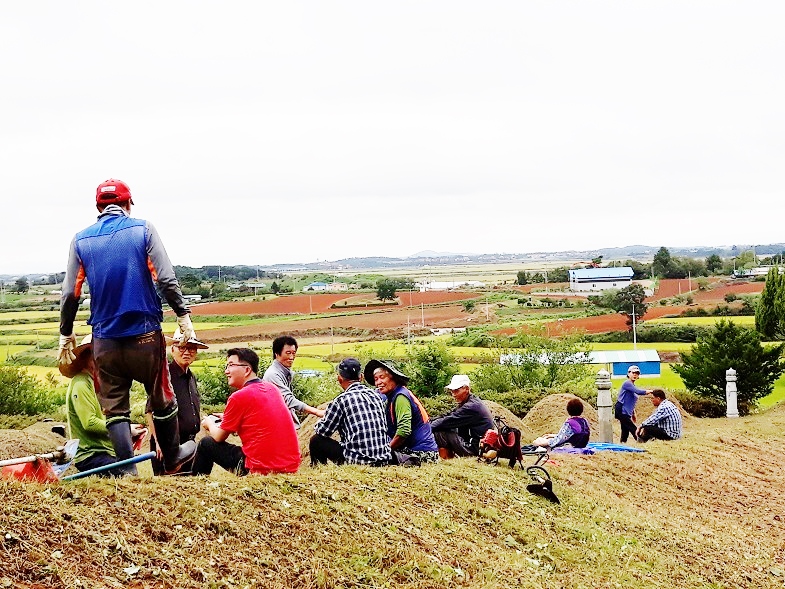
39 467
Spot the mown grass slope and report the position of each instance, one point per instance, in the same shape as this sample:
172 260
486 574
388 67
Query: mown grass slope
704 512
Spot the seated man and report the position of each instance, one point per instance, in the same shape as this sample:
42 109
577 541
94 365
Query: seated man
255 412
86 422
574 432
188 402
664 423
357 414
280 374
458 433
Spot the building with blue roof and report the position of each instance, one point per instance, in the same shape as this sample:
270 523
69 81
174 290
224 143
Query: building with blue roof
599 279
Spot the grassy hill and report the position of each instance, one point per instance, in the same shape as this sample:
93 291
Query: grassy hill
704 512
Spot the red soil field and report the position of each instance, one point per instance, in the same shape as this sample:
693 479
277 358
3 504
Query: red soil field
718 288
604 323
432 297
670 287
717 295
320 303
396 318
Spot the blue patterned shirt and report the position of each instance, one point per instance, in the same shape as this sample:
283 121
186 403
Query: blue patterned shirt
357 414
667 418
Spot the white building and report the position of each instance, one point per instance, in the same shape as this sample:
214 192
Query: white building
599 279
436 285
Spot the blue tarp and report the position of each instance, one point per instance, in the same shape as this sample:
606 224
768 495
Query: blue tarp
594 447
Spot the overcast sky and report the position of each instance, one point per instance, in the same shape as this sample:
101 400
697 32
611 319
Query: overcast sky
261 133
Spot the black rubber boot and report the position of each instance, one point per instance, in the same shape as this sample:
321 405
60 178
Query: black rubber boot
120 435
167 432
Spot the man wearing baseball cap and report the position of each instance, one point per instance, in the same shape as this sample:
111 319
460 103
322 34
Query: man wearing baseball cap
624 409
125 263
458 433
357 414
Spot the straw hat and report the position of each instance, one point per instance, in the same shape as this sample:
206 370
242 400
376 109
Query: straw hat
177 339
75 367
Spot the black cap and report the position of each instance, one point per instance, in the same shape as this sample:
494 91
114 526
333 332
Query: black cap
350 369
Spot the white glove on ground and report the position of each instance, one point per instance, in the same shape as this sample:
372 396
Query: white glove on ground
65 354
186 328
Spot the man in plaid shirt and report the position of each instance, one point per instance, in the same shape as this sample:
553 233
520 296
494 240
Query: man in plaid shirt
664 423
357 414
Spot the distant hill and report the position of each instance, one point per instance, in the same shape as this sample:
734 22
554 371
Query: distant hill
641 253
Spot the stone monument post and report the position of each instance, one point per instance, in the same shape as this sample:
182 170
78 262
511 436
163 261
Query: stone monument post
731 393
604 406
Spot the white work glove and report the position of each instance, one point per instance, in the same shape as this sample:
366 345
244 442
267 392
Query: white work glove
186 328
65 354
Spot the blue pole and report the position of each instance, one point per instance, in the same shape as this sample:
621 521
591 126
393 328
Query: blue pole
87 473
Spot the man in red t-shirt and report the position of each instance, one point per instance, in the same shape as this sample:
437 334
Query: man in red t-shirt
255 412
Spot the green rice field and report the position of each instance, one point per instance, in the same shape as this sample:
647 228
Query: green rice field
745 320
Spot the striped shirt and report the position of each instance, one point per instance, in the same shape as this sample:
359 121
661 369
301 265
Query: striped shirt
357 414
667 418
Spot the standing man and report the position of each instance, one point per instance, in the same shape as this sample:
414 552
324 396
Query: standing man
184 385
664 423
357 414
256 413
280 374
458 433
624 410
123 260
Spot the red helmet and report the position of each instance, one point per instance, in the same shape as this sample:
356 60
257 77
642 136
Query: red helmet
112 191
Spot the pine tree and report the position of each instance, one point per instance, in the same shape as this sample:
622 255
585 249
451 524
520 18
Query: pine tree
729 346
767 312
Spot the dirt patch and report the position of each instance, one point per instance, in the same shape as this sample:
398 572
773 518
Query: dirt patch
35 439
547 416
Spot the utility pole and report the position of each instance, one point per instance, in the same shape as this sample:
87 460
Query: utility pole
634 333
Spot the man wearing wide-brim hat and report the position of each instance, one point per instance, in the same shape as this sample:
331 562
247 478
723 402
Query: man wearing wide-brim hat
188 400
86 422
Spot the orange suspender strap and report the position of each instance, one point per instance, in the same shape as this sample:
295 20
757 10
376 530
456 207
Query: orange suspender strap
152 269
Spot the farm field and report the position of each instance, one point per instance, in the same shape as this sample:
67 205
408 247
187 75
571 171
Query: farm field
305 304
745 320
718 287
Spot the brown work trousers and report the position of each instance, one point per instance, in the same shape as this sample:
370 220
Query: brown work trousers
141 358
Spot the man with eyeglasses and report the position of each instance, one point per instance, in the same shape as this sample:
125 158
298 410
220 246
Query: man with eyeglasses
257 414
